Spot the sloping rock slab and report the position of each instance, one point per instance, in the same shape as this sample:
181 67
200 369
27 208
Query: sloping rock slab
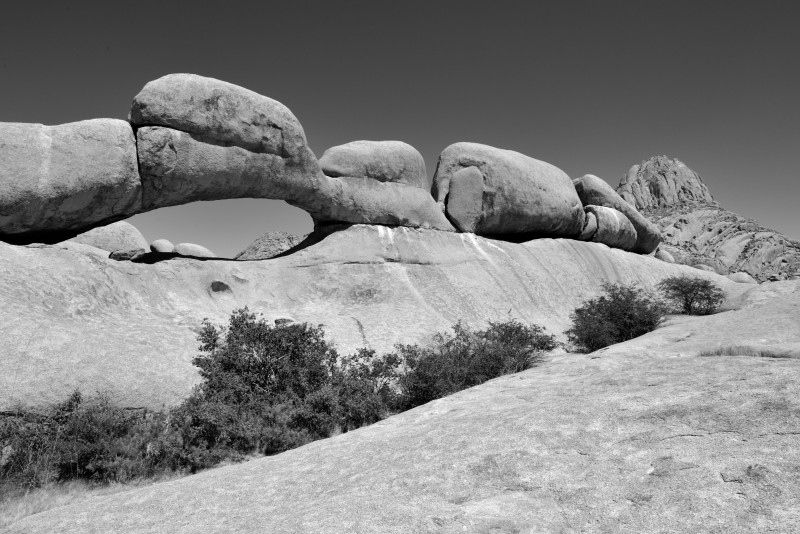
623 441
131 328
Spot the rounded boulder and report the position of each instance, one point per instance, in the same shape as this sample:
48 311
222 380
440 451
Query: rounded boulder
385 161
613 228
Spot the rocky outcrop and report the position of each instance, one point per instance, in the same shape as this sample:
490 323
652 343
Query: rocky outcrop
385 161
491 191
695 230
613 228
595 191
368 285
662 182
116 236
644 437
269 245
57 181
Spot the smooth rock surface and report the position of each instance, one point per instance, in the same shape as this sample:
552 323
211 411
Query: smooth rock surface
269 245
520 195
641 437
115 236
192 250
385 161
742 278
130 328
662 181
613 228
163 246
595 191
57 181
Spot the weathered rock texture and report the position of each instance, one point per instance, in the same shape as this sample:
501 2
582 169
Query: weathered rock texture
643 437
385 161
269 245
595 191
696 230
368 285
492 191
56 181
613 228
115 236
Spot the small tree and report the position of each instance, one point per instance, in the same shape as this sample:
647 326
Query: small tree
620 314
693 296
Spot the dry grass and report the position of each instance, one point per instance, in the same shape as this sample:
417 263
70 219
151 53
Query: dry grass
741 350
15 508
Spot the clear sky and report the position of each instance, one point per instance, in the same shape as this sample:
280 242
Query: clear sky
592 87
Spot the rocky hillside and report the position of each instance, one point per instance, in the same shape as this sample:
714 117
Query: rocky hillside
696 230
646 436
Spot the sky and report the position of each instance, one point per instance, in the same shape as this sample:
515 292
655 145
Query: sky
591 87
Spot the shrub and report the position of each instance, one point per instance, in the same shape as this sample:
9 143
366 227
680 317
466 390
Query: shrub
740 350
693 296
620 314
466 358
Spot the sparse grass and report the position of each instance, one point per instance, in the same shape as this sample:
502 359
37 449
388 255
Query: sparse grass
742 350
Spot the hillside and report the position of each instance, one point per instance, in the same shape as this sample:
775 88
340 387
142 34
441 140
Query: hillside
645 436
695 229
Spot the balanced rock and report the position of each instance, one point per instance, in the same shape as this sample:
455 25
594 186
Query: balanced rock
269 245
120 235
192 250
491 191
385 161
661 182
56 181
163 246
595 191
613 228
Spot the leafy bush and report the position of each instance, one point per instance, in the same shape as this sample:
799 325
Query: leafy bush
466 358
620 314
693 296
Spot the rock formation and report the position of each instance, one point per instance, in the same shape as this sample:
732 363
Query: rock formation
163 246
613 228
595 191
115 236
697 231
491 191
368 285
385 161
57 181
193 251
269 245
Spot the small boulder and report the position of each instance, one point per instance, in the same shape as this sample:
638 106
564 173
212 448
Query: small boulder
595 191
742 278
663 255
703 267
613 228
115 236
491 191
192 250
385 161
127 255
162 246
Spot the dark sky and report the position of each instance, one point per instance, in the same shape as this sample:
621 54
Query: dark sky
591 87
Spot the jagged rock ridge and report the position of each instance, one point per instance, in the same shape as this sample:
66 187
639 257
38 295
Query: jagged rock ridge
696 230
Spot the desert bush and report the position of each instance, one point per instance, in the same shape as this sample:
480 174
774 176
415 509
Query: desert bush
619 314
692 296
452 362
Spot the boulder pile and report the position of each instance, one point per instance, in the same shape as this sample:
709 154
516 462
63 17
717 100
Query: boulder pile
190 138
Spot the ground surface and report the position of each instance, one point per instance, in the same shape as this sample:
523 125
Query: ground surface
72 318
641 437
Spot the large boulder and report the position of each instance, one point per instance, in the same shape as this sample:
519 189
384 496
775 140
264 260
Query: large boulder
491 191
57 181
115 236
613 228
385 161
595 191
661 181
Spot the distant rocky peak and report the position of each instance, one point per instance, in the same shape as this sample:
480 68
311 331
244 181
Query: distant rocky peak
661 181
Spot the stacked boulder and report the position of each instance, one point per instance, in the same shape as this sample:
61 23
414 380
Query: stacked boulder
190 138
